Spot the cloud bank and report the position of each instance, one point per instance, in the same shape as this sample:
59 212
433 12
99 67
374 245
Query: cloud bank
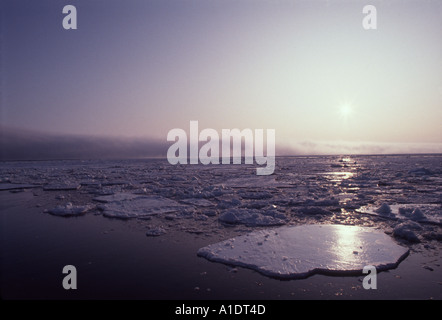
29 145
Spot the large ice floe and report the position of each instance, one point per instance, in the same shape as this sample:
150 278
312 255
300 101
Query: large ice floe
300 251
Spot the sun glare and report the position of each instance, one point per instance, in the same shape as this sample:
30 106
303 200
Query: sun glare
345 111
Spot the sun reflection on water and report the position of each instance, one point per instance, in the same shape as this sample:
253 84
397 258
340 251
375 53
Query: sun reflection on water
338 176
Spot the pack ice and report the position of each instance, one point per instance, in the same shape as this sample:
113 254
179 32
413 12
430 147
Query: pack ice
422 213
301 251
127 205
252 217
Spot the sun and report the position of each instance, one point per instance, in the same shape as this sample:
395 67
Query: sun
345 111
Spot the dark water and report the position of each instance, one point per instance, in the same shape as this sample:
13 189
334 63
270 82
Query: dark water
115 260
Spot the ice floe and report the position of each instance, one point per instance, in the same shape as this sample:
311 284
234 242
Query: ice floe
70 210
126 205
315 211
384 210
230 203
121 196
253 217
255 195
61 186
407 230
254 181
420 171
323 203
13 186
422 213
301 251
198 202
155 231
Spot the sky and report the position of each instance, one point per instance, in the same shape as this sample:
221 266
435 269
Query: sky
308 69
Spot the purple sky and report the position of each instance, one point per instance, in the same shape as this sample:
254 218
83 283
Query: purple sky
304 68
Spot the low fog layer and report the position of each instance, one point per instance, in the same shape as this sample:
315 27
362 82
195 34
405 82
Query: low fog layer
28 145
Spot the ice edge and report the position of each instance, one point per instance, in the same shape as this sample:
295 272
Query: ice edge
328 272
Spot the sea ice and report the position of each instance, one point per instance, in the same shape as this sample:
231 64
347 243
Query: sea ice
259 204
139 206
121 196
414 212
420 171
70 210
61 186
301 251
13 186
405 230
324 203
384 210
254 181
155 232
417 215
226 204
315 211
209 213
252 217
115 183
198 202
256 195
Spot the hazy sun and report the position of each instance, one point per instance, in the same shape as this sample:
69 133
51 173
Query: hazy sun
345 111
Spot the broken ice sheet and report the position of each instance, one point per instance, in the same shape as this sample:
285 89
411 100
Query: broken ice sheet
120 196
253 217
301 251
136 206
198 202
423 213
406 230
253 181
